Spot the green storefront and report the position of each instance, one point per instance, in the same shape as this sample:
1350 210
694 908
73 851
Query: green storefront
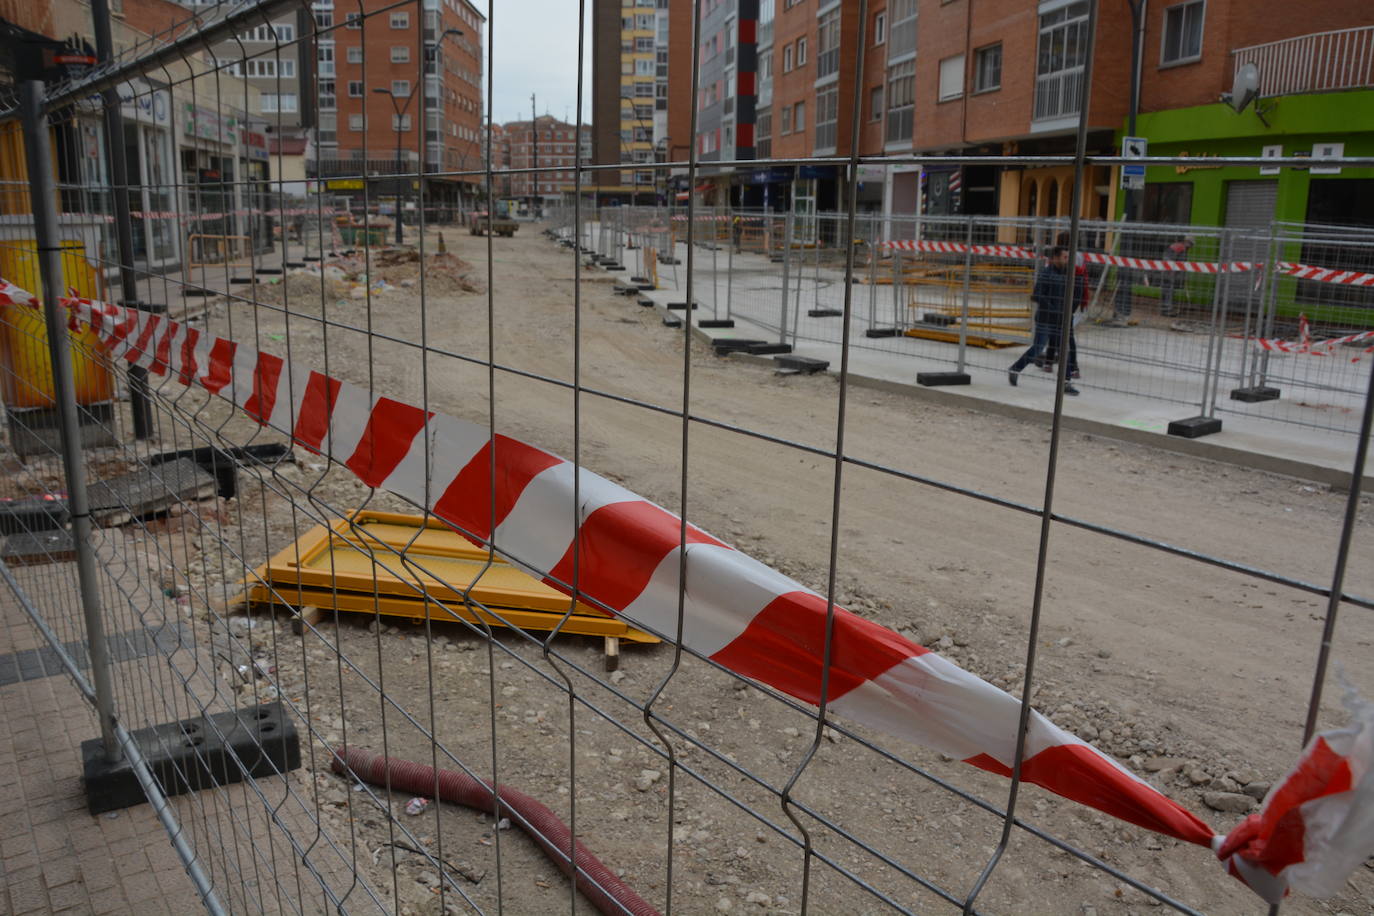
1265 200
1296 125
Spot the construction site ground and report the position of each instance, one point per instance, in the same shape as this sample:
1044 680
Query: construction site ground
1194 677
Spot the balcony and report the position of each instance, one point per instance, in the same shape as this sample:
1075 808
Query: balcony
1320 62
1058 95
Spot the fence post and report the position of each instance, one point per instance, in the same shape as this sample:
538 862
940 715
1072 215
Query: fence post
787 225
715 266
730 272
963 307
139 404
42 194
873 274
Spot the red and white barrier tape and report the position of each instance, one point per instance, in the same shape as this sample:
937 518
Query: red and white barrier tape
1304 344
742 614
1327 274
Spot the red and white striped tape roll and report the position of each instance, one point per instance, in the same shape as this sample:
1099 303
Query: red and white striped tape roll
737 611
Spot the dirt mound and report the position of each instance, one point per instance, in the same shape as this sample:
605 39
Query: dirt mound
445 274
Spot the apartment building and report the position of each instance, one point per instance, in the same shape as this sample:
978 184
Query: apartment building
267 59
1006 77
548 144
641 72
386 74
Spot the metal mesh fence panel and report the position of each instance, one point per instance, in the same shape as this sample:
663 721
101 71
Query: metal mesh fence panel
413 570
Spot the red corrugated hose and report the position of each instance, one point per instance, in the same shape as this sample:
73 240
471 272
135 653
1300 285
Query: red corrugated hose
597 883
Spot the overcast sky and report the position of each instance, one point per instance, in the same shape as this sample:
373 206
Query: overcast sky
536 52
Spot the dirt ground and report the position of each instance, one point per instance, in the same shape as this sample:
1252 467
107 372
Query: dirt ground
1195 677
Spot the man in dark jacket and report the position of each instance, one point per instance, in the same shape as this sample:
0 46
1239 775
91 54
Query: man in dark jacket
1050 313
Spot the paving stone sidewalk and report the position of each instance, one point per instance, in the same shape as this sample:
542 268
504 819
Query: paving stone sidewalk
54 857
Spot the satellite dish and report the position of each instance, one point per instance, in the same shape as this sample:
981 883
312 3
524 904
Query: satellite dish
1244 88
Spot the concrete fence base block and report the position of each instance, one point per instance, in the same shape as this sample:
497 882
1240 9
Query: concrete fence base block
935 379
204 752
1255 394
716 323
1195 427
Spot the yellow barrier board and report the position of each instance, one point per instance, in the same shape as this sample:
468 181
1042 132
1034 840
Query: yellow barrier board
390 563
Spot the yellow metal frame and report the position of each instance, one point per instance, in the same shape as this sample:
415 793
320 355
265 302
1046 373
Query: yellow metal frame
333 567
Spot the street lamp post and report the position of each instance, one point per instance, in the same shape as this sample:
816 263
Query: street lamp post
438 72
400 110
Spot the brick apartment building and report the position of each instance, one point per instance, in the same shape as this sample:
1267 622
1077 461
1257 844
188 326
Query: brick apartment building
426 61
1005 77
548 144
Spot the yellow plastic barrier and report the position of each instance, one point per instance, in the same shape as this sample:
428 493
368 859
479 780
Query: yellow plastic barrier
26 368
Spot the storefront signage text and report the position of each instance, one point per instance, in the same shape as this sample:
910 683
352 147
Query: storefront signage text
1185 169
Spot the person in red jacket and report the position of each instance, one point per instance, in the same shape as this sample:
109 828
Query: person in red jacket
1171 280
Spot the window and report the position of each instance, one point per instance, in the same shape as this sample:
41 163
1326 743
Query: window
328 101
902 14
272 102
801 52
875 103
325 56
799 117
901 96
827 110
400 20
355 89
353 20
1182 33
951 78
324 19
355 122
355 55
763 135
786 126
400 89
987 68
644 67
880 28
644 45
400 54
828 43
787 59
400 122
1059 63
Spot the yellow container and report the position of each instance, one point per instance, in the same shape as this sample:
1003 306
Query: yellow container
26 375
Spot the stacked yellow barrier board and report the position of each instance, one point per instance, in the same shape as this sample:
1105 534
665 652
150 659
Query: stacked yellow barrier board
411 567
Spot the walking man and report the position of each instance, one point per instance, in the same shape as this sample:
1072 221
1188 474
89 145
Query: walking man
1050 312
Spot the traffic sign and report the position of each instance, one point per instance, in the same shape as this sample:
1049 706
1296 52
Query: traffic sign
1134 147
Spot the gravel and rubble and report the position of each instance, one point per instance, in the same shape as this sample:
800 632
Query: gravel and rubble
1193 678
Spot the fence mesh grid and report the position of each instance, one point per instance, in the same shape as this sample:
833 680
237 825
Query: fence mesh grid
431 584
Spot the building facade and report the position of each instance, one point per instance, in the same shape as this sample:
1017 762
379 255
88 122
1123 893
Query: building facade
1007 77
641 98
402 82
549 145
